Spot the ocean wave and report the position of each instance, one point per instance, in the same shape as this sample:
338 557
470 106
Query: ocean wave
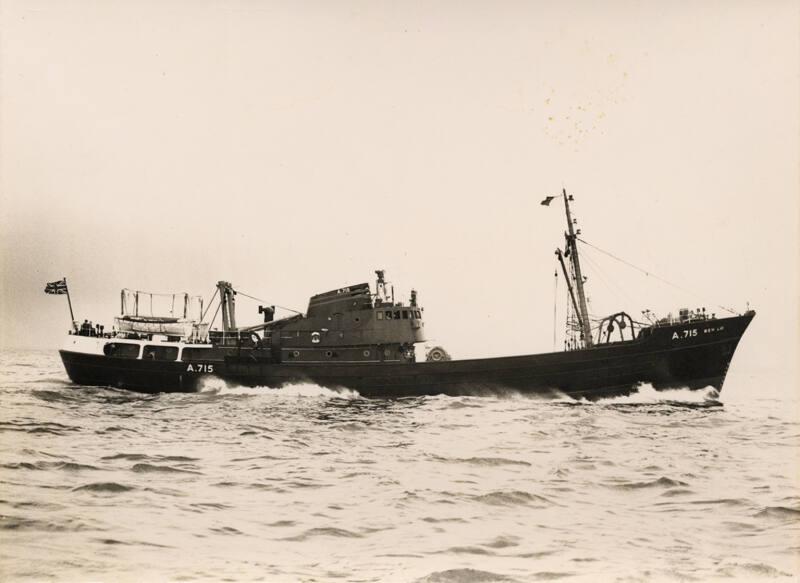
751 570
642 394
19 523
20 466
503 542
675 492
226 530
104 487
433 520
646 394
135 457
126 456
477 394
113 541
779 512
215 386
465 576
152 468
51 427
281 523
323 531
71 394
468 551
211 506
115 429
661 482
456 480
66 466
482 461
720 501
511 498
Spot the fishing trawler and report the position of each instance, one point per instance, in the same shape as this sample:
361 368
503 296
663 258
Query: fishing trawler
355 338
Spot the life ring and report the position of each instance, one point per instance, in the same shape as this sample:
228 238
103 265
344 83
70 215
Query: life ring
437 354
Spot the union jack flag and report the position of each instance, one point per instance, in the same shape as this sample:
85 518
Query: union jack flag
56 287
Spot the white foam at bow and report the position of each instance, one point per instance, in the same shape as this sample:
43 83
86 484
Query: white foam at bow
645 393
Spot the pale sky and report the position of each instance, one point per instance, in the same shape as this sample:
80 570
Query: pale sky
294 147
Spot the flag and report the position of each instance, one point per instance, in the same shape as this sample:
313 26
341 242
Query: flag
56 287
548 200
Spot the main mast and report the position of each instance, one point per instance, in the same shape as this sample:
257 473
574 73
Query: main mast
572 249
227 299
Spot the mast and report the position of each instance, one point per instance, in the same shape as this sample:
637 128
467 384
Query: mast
572 247
228 303
569 283
69 301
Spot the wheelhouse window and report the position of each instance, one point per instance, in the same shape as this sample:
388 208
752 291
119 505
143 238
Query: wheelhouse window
417 314
379 315
397 314
388 314
160 353
121 350
405 314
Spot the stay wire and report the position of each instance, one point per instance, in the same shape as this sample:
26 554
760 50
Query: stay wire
219 305
210 303
653 275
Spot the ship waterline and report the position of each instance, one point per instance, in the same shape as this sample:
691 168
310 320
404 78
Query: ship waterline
692 355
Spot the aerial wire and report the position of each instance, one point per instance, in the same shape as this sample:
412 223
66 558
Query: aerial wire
267 302
650 274
606 279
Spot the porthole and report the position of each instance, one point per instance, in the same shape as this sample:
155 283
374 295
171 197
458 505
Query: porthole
366 353
328 353
296 353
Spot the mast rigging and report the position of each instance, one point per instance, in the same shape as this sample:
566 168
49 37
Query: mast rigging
571 252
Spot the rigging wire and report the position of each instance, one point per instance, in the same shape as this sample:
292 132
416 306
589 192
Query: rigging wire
607 280
653 275
219 305
267 302
203 315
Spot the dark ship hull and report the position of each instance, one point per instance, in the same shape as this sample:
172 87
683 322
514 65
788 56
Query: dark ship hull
352 338
694 355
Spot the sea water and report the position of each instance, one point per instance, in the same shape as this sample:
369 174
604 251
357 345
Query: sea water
309 484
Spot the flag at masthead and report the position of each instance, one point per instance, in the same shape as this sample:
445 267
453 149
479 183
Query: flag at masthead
56 287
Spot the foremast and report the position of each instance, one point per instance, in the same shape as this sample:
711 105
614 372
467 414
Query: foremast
572 253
